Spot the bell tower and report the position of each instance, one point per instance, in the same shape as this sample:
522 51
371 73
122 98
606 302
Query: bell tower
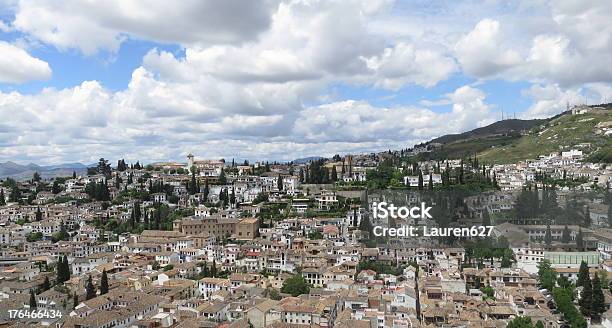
190 161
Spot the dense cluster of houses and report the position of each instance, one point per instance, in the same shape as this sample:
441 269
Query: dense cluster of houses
224 263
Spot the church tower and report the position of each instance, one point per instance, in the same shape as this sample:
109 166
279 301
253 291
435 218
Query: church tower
190 161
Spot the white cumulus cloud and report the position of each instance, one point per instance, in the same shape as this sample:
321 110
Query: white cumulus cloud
17 66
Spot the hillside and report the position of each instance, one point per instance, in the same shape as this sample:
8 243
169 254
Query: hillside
496 129
510 141
582 131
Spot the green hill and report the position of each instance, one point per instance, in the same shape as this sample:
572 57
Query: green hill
511 141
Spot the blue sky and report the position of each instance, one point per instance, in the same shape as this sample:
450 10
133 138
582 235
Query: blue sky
153 81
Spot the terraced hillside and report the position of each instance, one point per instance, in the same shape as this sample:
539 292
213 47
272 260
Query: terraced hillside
511 141
581 131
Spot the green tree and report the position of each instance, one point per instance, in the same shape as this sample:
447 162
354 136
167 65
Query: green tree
36 177
609 213
213 269
66 268
222 178
564 299
32 299
598 305
586 298
520 322
104 283
90 289
63 270
206 191
579 240
334 174
279 183
273 294
75 300
565 237
546 275
296 285
46 284
56 188
61 235
2 198
193 184
548 235
505 262
563 282
488 291
583 274
15 195
34 236
420 185
59 272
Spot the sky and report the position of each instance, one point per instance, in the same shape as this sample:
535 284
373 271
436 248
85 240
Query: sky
279 80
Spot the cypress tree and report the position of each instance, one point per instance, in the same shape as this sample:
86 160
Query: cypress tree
66 268
609 211
583 274
579 240
46 284
206 191
32 299
586 298
137 212
279 183
90 289
417 293
75 300
132 219
565 238
192 185
104 283
420 186
548 235
58 270
222 178
213 269
587 217
146 220
598 306
2 200
38 214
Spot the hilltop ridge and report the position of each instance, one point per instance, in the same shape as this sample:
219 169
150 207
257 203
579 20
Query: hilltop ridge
588 128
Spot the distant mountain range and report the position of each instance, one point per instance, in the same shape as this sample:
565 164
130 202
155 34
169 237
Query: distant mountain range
306 159
24 172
